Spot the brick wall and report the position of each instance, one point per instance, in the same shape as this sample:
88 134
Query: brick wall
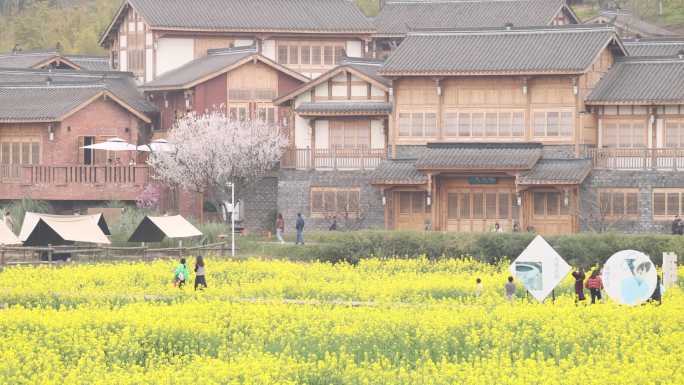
99 118
294 197
644 181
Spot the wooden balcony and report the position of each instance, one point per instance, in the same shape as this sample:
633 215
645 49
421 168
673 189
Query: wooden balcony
73 182
333 159
665 159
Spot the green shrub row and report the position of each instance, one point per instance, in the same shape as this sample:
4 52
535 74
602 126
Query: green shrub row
588 249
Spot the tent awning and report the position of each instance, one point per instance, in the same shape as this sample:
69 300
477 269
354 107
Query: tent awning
44 229
155 229
7 237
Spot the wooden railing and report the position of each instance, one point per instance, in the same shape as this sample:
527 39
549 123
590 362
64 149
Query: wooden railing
342 158
74 174
637 158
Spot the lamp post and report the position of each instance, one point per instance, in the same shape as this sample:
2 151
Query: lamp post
232 219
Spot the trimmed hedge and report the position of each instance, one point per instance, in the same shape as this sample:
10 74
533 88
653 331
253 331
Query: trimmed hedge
587 249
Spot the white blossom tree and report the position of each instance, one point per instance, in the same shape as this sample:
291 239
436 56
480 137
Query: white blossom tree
210 151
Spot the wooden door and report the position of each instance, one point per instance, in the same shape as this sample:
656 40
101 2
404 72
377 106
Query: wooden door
411 210
479 209
548 212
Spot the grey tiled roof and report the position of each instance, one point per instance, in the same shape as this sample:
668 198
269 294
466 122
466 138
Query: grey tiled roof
30 59
556 171
43 103
254 15
630 23
398 172
655 47
25 59
368 67
398 17
479 156
641 81
198 69
569 49
27 90
90 63
345 108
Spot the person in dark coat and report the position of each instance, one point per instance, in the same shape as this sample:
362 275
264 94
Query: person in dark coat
579 284
677 226
657 295
333 225
299 226
200 273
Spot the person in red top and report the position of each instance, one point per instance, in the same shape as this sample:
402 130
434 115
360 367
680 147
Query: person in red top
595 285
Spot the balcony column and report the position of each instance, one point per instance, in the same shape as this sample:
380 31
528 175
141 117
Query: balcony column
600 132
660 133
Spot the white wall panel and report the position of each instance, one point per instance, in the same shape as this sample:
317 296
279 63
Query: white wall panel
377 134
322 134
354 48
268 49
173 53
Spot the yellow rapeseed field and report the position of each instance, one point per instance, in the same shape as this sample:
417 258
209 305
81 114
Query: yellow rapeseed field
275 322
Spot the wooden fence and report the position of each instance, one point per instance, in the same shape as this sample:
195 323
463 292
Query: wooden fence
24 255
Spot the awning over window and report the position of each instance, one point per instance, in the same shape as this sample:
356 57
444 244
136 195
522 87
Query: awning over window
44 229
556 172
398 172
155 229
479 156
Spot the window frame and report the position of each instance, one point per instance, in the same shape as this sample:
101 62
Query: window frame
619 134
563 211
19 144
610 211
559 121
334 193
667 216
454 115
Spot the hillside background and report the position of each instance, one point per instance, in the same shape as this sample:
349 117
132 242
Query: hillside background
77 24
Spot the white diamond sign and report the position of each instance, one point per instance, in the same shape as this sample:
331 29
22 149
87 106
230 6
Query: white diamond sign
539 268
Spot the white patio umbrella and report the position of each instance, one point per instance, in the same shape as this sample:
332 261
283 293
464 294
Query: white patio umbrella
157 145
113 144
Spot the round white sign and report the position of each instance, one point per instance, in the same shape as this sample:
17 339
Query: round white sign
629 277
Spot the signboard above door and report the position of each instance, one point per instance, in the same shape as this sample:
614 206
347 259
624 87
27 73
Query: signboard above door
481 180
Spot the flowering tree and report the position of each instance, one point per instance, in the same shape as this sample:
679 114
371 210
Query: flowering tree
149 198
210 151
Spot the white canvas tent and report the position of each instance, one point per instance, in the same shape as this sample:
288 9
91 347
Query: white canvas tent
7 237
45 229
155 229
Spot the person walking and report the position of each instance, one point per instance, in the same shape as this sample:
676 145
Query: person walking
579 284
299 226
200 274
509 289
677 227
479 288
181 274
9 222
280 228
595 285
657 295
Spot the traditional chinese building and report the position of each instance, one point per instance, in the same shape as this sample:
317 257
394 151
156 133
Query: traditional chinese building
399 17
46 117
637 183
150 37
237 80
